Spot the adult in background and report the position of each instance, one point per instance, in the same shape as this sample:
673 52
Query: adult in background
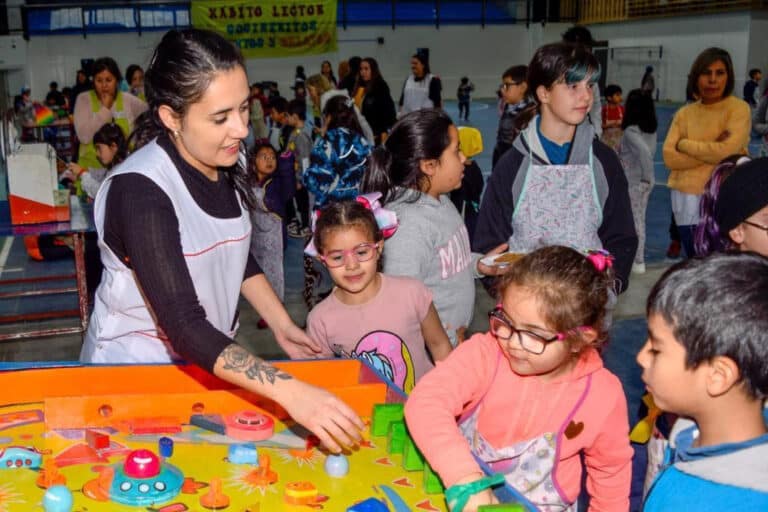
175 231
648 82
347 81
581 35
373 98
105 103
327 71
421 89
703 133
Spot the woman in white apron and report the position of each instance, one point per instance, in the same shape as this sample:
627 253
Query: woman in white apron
174 232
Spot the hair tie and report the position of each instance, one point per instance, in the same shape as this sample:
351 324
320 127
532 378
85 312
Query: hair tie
600 258
386 220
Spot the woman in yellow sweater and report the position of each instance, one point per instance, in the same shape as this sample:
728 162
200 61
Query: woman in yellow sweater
702 134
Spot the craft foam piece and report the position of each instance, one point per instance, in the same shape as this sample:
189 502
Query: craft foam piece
96 440
396 437
432 483
369 505
502 507
383 416
413 460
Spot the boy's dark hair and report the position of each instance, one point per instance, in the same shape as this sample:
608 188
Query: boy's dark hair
278 104
706 59
516 73
297 108
753 72
640 110
464 80
611 89
718 306
53 85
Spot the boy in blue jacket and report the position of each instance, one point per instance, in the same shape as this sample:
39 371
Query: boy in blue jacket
705 359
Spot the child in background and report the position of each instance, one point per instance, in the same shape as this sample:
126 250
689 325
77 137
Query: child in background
337 163
613 116
514 90
636 150
337 160
751 87
279 131
300 144
557 185
532 395
741 207
463 94
111 149
467 198
414 170
273 183
390 322
705 360
708 237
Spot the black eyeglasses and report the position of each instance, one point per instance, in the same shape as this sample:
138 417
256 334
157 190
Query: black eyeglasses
506 85
532 342
756 225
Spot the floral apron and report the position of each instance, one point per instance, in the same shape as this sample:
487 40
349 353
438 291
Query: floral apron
528 466
558 205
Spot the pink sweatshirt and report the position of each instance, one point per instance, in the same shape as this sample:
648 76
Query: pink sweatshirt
517 408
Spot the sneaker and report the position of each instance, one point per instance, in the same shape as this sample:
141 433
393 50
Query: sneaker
638 268
305 233
674 249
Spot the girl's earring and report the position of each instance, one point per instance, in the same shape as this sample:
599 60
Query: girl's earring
176 134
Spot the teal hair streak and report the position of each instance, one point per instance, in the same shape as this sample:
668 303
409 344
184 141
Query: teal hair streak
579 72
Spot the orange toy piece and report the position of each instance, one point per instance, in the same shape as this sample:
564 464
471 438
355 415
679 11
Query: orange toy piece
98 488
214 499
301 493
50 475
263 475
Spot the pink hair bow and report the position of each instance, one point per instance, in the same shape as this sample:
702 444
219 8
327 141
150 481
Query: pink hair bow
386 220
601 259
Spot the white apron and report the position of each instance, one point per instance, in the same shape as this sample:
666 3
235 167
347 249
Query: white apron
122 327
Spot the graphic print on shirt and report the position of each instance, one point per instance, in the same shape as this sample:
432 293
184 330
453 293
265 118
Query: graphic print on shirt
456 255
388 354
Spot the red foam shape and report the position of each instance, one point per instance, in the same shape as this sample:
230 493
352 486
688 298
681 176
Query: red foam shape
96 440
79 454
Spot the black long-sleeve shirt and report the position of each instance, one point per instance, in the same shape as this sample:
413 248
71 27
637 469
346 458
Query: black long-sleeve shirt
141 228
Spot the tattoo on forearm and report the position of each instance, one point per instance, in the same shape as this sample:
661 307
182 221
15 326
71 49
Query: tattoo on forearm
237 359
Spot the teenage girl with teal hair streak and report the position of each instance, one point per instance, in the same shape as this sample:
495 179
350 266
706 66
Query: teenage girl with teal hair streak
558 184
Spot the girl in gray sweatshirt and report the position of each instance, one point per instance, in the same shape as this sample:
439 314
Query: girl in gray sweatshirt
636 150
414 170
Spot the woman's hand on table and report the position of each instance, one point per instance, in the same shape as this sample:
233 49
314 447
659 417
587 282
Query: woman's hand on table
322 413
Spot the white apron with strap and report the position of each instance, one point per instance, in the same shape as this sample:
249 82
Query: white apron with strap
416 94
528 466
123 328
558 205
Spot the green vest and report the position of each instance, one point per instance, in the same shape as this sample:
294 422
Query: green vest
87 154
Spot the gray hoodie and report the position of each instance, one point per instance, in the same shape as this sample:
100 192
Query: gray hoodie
431 244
